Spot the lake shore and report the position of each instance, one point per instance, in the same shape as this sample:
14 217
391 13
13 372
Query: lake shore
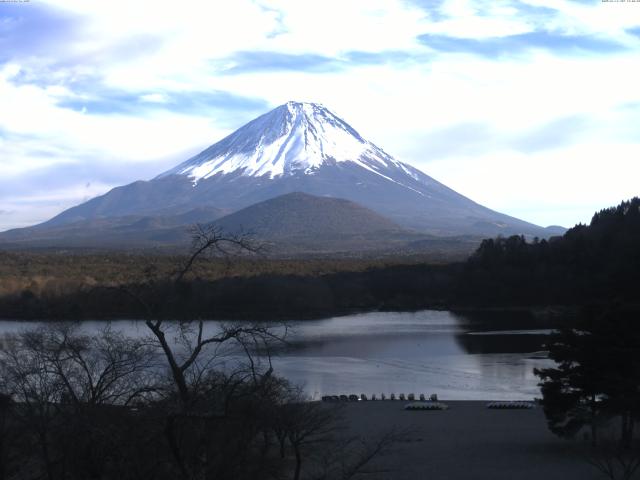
468 441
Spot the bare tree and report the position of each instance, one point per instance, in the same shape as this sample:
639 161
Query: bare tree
211 240
27 381
183 356
318 439
69 386
351 457
614 459
7 435
195 354
308 424
107 368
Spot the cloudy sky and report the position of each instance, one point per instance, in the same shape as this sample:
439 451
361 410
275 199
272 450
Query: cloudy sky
530 107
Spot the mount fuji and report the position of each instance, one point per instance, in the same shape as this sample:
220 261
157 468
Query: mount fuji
297 147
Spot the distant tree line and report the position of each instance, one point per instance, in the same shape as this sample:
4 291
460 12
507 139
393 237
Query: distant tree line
266 297
598 262
591 263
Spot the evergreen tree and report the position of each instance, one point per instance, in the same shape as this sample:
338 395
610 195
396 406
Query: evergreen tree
597 376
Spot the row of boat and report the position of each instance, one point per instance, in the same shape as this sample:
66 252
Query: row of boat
423 403
362 397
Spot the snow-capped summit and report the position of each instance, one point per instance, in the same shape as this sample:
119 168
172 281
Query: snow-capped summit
299 147
294 137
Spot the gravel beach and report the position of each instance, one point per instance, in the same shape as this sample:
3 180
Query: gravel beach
469 441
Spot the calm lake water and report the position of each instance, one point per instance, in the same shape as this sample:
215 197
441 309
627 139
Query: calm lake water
459 357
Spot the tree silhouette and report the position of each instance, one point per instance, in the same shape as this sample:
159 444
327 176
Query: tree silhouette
597 377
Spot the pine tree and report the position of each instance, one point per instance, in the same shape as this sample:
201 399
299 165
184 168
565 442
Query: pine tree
597 376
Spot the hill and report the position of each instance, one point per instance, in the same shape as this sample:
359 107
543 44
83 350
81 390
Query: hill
299 214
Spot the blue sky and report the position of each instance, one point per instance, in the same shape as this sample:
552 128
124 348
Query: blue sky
529 107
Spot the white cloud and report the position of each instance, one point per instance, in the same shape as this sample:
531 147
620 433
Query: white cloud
151 55
154 98
564 186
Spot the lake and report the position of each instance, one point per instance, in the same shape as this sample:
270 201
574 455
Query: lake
456 356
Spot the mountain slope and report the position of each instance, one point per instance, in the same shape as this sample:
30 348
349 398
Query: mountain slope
299 223
299 214
300 147
290 225
130 231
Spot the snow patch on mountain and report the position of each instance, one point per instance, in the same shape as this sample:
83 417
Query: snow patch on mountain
291 138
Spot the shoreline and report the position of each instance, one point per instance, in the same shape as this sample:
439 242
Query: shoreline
540 314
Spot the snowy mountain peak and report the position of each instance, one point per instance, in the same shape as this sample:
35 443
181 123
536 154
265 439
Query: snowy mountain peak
310 114
296 147
296 137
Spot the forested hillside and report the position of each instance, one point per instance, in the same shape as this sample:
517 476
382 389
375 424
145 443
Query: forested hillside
599 261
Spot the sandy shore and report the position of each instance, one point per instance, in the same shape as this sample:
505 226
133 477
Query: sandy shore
469 441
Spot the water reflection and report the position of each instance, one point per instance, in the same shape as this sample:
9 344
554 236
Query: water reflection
458 356
423 352
501 342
